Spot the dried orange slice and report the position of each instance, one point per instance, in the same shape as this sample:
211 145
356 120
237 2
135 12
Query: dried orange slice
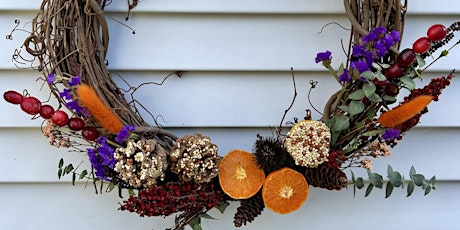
285 190
239 175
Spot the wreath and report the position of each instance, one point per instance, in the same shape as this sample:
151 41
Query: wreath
165 174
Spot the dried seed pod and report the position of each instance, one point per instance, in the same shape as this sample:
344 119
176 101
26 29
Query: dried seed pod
195 158
142 163
270 154
308 143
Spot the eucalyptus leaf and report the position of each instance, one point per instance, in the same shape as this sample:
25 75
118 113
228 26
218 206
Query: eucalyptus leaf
408 82
369 88
373 133
110 187
59 173
433 180
389 98
389 169
375 98
74 177
83 174
418 179
380 76
207 216
369 190
376 179
355 107
427 190
61 163
340 123
395 178
388 190
222 206
412 172
410 188
420 61
68 169
195 224
131 192
357 95
359 182
369 75
376 66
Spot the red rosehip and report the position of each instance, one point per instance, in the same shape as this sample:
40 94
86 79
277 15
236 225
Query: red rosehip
46 111
31 105
395 71
436 32
76 123
406 57
60 118
422 45
90 133
13 97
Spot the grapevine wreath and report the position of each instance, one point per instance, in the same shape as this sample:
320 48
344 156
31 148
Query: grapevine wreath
185 176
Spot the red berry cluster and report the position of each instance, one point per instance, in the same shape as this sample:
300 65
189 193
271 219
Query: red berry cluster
434 88
164 200
435 36
31 105
335 159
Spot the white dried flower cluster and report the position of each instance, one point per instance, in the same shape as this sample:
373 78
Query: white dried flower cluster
195 158
375 149
141 163
308 143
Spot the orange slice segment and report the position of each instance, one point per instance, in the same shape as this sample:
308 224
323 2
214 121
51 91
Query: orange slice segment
285 190
239 175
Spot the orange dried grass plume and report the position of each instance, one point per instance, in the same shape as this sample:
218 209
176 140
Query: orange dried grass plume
404 112
106 118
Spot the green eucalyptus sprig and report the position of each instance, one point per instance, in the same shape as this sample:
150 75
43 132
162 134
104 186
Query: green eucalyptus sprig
395 179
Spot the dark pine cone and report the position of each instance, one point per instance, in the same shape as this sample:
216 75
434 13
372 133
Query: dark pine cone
270 154
249 209
327 177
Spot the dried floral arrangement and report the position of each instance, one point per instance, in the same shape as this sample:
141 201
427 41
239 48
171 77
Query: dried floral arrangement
165 174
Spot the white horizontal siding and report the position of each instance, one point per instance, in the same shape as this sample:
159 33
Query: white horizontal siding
225 99
237 56
425 7
63 206
224 42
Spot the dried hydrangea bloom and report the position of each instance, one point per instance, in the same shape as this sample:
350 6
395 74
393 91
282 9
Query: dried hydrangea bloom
141 163
308 143
195 158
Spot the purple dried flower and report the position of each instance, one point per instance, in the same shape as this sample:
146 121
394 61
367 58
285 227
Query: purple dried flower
102 158
74 81
360 65
124 133
390 134
66 94
50 78
323 56
358 51
345 76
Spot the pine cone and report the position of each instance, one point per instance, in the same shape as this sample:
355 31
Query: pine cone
249 209
325 176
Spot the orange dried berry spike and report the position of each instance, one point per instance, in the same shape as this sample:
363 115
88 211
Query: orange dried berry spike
404 112
89 98
285 190
239 175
